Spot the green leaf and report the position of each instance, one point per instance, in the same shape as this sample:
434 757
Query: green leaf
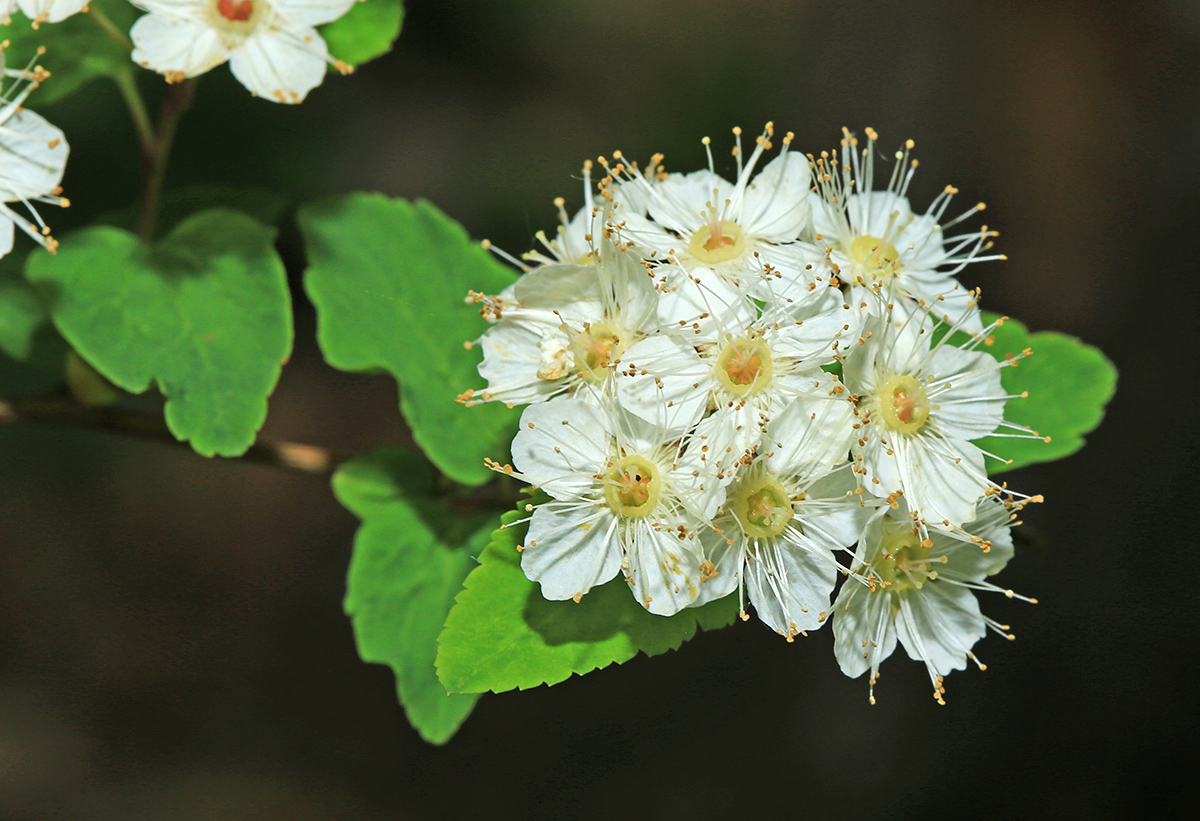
177 205
1068 383
388 278
502 634
78 50
205 314
365 32
411 555
32 353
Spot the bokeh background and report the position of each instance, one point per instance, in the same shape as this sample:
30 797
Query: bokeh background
172 643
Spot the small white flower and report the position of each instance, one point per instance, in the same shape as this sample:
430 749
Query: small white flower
920 404
271 45
624 497
787 515
701 220
921 593
33 154
563 327
874 237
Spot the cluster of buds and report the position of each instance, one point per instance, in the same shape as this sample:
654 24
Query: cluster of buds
761 387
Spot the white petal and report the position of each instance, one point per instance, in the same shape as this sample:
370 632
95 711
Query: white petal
665 569
939 624
790 586
570 551
6 233
775 205
863 631
280 65
169 44
561 446
669 385
726 560
512 358
55 10
33 154
812 435
311 12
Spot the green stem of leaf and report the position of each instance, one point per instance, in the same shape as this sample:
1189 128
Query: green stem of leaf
154 161
59 409
110 28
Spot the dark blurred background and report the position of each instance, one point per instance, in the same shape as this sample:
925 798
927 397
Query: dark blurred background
172 643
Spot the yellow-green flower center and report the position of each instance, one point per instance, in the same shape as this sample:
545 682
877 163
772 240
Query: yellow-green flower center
718 241
631 487
902 563
903 404
762 506
596 346
875 257
744 366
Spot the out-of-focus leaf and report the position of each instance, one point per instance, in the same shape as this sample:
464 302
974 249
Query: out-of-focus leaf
365 32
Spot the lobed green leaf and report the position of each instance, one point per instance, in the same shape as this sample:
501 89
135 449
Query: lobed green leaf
1068 384
501 634
205 314
388 279
411 555
78 50
365 32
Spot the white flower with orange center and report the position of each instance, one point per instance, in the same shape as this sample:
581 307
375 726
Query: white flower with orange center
272 46
788 515
744 373
562 328
624 498
920 591
876 240
920 405
33 155
701 220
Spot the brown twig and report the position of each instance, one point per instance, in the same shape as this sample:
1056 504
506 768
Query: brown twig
58 409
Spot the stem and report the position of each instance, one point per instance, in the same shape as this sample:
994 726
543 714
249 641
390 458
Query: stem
110 28
61 410
127 85
154 160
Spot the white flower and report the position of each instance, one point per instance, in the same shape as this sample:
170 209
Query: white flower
624 497
43 11
874 236
921 592
701 220
745 371
562 328
920 404
787 516
271 45
33 154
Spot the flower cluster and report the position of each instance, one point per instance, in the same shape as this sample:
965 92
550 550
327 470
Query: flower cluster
33 155
759 386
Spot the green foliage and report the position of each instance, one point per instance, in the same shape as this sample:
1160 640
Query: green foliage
411 555
1068 383
32 353
388 279
205 313
365 32
502 634
77 49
